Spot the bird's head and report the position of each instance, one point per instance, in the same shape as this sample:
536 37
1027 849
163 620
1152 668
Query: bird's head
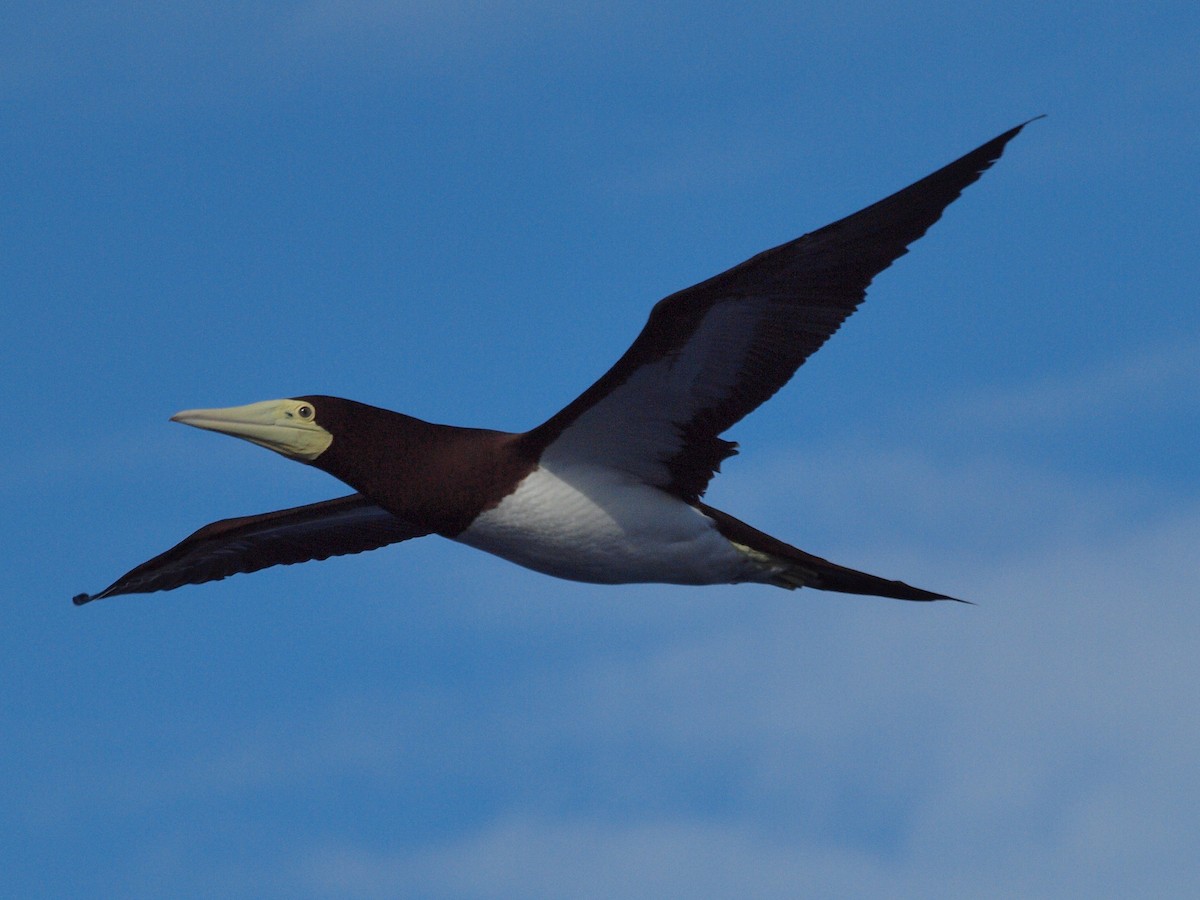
367 447
295 428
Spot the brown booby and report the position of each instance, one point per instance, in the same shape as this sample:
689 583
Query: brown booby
608 489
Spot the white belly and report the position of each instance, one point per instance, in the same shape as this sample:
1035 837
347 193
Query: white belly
594 524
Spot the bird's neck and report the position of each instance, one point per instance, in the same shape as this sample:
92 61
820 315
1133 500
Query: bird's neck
437 476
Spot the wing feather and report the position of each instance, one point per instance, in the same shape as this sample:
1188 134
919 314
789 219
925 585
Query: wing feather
714 352
350 524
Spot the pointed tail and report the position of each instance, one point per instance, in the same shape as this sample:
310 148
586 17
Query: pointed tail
805 570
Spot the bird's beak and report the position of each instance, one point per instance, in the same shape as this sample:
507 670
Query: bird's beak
275 424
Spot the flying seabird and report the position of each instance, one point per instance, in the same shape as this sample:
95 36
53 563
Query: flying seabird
608 490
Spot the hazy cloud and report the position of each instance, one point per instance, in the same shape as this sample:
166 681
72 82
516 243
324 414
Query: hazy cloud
1039 744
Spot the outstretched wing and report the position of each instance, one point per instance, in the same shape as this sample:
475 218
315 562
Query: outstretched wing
713 352
316 531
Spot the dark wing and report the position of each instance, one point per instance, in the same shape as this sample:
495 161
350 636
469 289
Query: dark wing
317 531
712 353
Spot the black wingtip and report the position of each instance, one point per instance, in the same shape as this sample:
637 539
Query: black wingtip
992 149
901 591
1013 132
80 599
1016 129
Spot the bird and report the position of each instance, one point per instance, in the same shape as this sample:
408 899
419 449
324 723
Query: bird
609 489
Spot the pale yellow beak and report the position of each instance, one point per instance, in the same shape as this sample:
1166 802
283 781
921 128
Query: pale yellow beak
288 427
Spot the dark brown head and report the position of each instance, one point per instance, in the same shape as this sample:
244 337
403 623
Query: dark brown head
313 429
435 475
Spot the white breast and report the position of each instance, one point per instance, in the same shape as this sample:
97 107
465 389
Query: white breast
589 523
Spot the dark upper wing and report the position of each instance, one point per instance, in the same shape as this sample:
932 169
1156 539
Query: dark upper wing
712 353
317 531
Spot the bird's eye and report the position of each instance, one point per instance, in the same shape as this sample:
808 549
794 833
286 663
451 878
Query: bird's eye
305 412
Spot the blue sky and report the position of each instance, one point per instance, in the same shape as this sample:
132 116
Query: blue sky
465 211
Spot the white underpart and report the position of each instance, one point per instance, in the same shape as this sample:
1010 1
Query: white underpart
588 523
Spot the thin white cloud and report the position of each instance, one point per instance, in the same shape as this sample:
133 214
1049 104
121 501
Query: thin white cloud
1037 745
1145 381
1045 744
963 476
581 859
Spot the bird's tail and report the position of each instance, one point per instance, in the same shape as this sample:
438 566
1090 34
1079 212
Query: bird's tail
795 569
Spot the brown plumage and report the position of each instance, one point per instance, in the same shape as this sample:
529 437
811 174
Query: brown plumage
707 357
